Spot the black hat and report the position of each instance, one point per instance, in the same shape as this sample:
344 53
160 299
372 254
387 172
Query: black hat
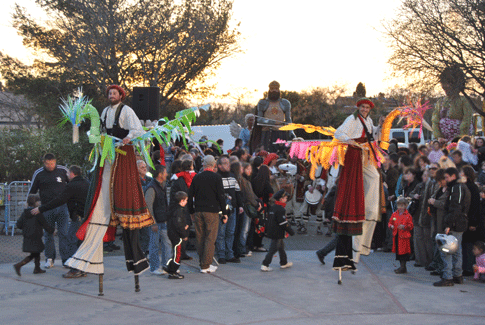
279 195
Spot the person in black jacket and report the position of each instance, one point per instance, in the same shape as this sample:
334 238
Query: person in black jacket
156 199
178 233
225 235
182 176
472 234
455 221
50 181
74 194
32 230
206 200
276 229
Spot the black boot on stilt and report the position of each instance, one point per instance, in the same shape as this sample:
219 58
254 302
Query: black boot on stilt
20 264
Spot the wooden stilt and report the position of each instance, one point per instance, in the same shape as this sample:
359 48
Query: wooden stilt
137 284
339 275
100 285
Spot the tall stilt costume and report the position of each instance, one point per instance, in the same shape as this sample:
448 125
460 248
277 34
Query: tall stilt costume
116 196
357 202
356 149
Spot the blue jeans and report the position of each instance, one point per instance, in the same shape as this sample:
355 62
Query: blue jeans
225 237
453 262
154 248
59 216
72 240
243 235
328 248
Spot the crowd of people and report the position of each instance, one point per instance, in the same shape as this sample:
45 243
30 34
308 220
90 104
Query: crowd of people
230 200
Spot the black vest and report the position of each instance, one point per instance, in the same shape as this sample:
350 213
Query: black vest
160 205
116 130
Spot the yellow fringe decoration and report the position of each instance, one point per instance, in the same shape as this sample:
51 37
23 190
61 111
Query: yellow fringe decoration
386 128
309 128
327 153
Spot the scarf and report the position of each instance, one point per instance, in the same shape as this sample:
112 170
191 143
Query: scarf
280 203
188 177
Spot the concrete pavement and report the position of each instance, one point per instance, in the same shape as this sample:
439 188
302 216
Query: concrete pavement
307 293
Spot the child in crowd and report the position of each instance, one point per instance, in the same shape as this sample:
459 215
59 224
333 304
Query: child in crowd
276 228
479 268
177 229
32 230
401 224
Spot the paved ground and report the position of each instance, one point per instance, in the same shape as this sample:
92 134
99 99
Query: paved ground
307 293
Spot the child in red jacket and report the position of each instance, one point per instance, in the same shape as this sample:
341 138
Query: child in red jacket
401 224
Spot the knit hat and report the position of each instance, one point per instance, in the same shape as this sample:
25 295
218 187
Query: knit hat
209 161
280 194
120 90
365 101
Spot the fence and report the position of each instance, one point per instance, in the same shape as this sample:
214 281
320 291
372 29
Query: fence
16 197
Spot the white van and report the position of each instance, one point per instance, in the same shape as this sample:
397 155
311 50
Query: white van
405 137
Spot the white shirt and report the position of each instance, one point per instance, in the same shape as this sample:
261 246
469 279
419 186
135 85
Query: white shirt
352 128
468 155
128 120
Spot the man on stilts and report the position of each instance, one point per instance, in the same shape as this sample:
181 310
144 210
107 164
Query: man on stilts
357 203
116 196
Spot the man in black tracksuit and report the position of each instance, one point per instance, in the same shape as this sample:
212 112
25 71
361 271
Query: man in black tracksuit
74 194
50 181
455 222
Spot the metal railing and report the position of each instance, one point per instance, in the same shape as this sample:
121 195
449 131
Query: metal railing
15 203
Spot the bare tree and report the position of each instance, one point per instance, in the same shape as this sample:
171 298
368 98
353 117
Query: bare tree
16 112
166 43
428 35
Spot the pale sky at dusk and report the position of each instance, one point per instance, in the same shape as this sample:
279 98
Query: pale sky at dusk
302 44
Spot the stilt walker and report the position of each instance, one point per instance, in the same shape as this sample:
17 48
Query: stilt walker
355 148
116 196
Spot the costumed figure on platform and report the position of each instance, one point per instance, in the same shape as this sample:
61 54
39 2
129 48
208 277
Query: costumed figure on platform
452 115
272 113
116 195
